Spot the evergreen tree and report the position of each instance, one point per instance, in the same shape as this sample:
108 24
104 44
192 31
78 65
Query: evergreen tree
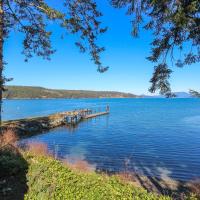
195 93
31 17
176 27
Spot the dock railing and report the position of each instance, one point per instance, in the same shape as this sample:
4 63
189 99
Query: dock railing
78 115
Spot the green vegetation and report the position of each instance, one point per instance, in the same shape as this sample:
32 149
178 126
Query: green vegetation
31 20
195 93
49 179
23 92
36 177
175 28
13 169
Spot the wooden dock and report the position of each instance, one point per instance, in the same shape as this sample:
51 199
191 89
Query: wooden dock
76 116
95 115
34 125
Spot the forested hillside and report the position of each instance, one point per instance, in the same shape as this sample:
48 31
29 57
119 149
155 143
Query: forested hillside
23 92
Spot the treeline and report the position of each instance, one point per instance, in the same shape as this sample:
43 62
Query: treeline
28 92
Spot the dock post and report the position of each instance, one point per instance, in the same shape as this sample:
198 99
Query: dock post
107 108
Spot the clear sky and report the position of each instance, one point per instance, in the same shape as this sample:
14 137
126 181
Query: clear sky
68 69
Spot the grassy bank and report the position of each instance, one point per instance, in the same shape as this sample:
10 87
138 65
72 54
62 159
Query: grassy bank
47 178
35 175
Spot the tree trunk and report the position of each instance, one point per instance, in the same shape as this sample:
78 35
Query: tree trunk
1 57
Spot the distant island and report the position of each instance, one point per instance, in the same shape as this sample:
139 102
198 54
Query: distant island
29 92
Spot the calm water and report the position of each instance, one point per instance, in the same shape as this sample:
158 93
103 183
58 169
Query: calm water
157 137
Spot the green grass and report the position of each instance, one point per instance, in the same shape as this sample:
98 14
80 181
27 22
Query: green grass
49 179
30 177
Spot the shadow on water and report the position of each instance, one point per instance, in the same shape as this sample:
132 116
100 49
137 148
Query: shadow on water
73 128
13 169
154 176
162 184
155 179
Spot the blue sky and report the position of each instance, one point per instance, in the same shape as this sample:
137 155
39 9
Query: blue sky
68 69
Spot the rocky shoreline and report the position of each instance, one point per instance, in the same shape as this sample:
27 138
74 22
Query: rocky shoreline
30 126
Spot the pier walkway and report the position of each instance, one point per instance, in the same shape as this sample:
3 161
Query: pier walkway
30 126
95 115
76 116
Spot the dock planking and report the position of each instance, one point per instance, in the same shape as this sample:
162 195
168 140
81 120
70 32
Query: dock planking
95 115
77 116
29 126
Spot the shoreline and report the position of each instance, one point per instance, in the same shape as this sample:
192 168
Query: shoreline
35 125
31 126
74 98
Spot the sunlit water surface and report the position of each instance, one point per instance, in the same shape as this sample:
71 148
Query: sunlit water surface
156 137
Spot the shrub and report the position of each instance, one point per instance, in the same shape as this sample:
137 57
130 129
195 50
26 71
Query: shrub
13 168
79 165
126 177
38 149
8 138
11 161
194 187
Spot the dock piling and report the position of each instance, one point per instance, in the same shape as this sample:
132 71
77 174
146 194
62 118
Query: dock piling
77 116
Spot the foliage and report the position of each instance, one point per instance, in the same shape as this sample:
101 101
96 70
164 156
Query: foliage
34 175
175 26
192 197
39 92
79 165
49 179
13 169
10 162
32 18
38 148
160 79
195 93
194 187
8 138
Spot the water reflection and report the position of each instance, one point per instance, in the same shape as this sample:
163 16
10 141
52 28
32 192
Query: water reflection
152 138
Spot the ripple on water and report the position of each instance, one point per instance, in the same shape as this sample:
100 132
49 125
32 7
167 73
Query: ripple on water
192 120
159 137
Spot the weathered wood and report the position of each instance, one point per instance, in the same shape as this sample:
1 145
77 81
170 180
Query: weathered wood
30 126
95 115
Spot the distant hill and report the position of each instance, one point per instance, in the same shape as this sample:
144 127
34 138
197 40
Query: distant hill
28 92
178 95
183 95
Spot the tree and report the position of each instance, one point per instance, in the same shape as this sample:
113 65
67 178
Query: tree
195 93
176 27
31 18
